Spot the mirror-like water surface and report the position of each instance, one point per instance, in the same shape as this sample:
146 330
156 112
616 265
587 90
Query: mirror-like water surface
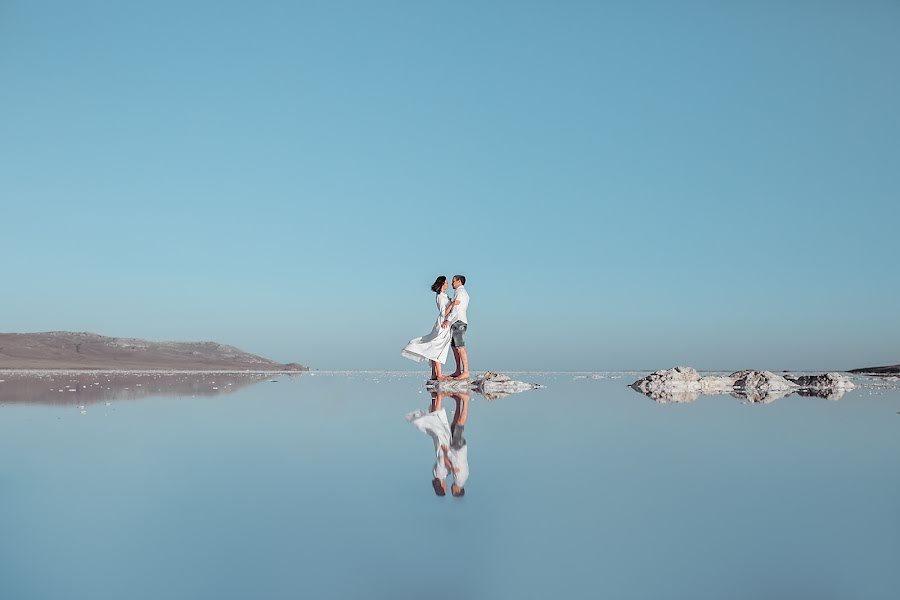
319 486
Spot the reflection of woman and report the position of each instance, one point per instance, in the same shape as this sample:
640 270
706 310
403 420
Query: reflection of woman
436 345
450 448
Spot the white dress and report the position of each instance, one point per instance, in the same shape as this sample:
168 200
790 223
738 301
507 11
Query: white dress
435 424
435 345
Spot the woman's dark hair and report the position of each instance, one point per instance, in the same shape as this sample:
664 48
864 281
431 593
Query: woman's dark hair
438 284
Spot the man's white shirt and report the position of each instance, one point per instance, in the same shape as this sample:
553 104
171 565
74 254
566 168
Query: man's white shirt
459 311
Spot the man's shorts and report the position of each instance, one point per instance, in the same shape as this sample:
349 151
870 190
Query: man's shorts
457 330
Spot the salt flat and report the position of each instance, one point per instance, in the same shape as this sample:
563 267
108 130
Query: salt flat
316 486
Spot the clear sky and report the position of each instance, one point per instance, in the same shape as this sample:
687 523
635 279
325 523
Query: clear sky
626 185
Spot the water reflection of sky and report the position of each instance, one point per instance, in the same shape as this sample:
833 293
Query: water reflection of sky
318 487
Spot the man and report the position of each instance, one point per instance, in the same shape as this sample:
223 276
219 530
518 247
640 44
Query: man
458 321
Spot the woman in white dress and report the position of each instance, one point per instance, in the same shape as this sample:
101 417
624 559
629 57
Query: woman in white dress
434 346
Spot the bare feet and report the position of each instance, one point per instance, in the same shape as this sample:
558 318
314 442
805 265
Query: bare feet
462 376
445 378
454 375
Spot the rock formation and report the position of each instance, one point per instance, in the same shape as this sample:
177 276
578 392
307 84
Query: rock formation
831 386
678 384
684 384
491 385
761 387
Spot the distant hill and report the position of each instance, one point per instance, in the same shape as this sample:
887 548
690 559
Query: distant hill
70 350
891 370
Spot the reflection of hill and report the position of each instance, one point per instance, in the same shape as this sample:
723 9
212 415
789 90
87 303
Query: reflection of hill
87 387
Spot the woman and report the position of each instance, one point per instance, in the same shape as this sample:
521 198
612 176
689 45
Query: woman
435 345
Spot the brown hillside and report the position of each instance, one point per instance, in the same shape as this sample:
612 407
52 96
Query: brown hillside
68 350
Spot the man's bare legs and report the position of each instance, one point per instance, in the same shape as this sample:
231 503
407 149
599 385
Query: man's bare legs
462 410
458 364
463 360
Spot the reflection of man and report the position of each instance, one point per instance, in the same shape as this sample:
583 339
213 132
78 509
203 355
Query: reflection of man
451 452
458 453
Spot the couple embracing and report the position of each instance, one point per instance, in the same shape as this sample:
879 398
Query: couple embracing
448 332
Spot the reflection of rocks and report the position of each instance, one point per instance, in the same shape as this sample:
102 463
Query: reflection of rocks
88 387
761 387
491 385
684 384
679 384
826 394
831 386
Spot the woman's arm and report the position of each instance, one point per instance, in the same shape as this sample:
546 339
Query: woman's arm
450 307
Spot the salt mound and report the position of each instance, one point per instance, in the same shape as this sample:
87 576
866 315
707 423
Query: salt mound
831 386
678 384
827 381
684 384
761 387
491 385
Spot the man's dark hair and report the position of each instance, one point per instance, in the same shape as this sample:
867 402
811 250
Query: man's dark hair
462 278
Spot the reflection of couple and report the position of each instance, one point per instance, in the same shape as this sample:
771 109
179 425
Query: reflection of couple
450 446
448 332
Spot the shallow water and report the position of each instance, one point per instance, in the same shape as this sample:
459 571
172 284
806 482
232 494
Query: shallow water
316 486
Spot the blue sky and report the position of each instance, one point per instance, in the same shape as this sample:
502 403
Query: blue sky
626 185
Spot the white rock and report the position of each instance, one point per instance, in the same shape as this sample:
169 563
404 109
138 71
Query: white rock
827 381
491 385
761 387
684 384
679 384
